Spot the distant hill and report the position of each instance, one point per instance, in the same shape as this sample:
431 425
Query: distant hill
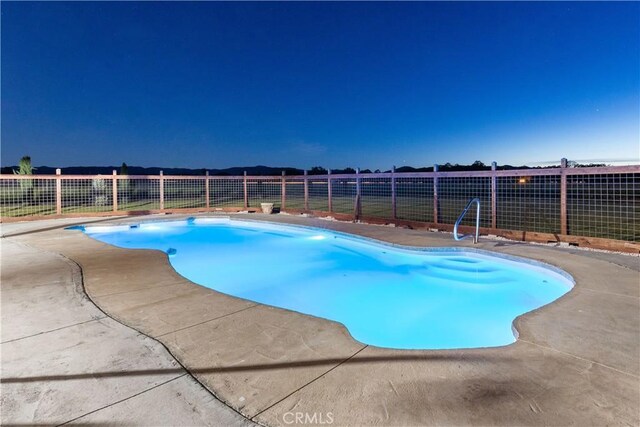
138 170
258 170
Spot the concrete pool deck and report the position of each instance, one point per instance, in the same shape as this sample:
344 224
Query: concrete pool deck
577 360
65 361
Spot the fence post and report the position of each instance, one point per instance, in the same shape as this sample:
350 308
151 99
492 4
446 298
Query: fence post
329 192
358 208
393 193
435 194
114 190
58 192
306 191
246 195
283 193
207 199
563 196
494 199
161 190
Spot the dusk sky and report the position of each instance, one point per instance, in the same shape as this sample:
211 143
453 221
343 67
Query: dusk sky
332 84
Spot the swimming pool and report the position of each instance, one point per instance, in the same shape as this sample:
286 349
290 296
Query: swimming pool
385 295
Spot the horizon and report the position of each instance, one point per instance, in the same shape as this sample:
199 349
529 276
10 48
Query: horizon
369 85
550 163
571 163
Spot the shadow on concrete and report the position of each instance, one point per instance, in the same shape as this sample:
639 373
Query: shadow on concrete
56 227
84 423
248 368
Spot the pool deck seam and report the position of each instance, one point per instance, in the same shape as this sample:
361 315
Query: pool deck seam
125 399
207 321
580 358
253 418
53 330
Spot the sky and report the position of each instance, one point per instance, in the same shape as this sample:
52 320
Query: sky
370 85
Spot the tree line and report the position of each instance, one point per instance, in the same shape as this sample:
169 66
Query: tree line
25 168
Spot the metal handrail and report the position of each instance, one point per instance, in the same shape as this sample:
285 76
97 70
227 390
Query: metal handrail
464 211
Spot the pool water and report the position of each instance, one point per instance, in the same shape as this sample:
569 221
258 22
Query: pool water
384 295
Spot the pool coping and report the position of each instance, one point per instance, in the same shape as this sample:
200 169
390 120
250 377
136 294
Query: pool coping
265 415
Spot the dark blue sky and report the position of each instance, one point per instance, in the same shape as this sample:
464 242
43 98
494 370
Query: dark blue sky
332 84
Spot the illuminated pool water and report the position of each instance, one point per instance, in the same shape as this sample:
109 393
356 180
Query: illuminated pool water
385 295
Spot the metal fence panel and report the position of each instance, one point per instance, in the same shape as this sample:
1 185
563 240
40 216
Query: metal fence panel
295 193
226 192
24 197
343 194
138 194
529 203
318 194
184 193
604 206
375 196
267 190
414 199
455 192
87 195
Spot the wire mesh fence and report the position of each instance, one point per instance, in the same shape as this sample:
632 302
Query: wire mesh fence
592 202
318 194
24 197
604 206
414 199
87 195
454 194
264 190
225 193
294 193
343 194
184 193
138 194
376 198
529 203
